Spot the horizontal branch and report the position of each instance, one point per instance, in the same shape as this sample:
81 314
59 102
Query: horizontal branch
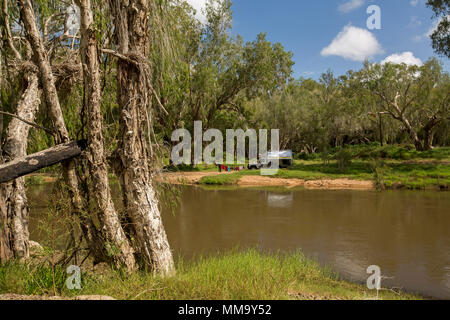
34 162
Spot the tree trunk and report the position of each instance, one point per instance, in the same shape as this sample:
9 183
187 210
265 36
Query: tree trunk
1 124
429 131
100 190
413 134
45 71
141 203
417 143
428 140
5 252
14 211
62 135
381 129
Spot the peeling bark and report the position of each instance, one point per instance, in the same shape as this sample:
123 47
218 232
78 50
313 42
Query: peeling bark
141 203
40 56
14 211
112 229
45 70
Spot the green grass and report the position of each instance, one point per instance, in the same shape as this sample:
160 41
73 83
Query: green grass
423 170
232 276
375 150
395 174
418 176
221 180
314 170
35 180
30 279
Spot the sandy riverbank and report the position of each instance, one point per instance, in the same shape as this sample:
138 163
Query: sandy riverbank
192 178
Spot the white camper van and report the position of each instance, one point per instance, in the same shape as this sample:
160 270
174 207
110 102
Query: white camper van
285 159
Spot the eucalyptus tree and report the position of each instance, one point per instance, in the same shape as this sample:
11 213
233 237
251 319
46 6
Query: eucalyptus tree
50 38
229 71
43 50
14 210
416 97
206 74
132 163
441 35
112 231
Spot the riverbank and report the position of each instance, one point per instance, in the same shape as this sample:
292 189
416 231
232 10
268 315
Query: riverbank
209 178
248 275
361 167
420 174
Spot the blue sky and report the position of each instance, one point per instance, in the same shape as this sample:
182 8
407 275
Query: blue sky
306 28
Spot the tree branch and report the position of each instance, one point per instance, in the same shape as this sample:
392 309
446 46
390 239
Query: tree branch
17 54
28 122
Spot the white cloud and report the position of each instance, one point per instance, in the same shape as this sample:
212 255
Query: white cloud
406 57
353 43
198 5
414 3
350 5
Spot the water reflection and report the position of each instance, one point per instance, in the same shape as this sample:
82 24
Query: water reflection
407 234
275 200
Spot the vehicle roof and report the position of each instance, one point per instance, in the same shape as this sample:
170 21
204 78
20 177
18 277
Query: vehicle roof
281 154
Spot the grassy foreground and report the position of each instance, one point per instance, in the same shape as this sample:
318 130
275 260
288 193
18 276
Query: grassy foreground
235 275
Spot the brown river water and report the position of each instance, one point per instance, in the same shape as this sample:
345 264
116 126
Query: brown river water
406 234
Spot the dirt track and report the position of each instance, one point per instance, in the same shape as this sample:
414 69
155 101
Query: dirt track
191 178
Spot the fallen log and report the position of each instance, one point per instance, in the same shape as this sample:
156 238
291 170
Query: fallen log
34 162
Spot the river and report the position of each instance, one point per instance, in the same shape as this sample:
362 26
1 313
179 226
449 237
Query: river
406 234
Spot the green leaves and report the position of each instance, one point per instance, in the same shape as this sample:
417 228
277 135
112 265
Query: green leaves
441 35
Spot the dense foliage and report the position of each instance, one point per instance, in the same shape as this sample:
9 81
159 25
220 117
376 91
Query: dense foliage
201 72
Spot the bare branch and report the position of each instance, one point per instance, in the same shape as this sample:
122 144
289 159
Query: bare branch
28 122
16 53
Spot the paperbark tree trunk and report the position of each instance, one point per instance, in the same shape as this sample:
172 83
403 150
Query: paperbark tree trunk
140 200
45 71
113 231
14 211
114 238
4 249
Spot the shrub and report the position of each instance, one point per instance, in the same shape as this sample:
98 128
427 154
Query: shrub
344 159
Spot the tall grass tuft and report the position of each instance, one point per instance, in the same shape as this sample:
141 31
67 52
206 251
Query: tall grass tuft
236 275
